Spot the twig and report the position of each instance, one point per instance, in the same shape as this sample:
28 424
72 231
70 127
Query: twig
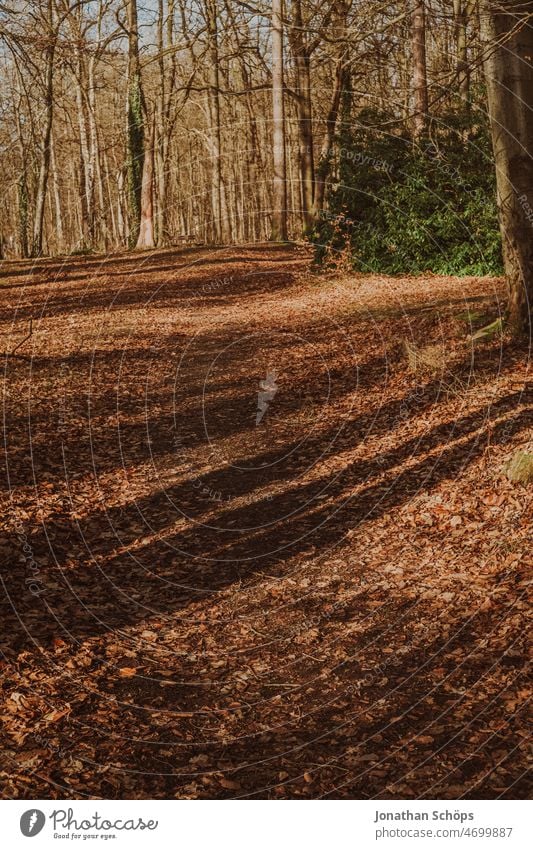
23 340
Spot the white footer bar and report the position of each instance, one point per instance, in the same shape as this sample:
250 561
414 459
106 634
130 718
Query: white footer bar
267 824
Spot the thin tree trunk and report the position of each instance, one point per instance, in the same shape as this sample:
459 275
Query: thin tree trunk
86 176
44 170
110 200
463 73
99 220
160 144
122 204
146 229
22 191
214 119
57 198
279 185
163 107
507 40
420 84
135 126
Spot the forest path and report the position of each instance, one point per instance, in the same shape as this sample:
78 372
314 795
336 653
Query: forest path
248 551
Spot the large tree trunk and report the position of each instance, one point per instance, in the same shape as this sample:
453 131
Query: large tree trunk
507 36
279 184
420 83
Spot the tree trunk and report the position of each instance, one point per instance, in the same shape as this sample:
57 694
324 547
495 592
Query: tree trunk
146 230
22 192
460 14
86 173
507 40
135 127
420 84
22 197
60 236
219 207
160 142
279 184
122 205
324 165
100 218
44 170
305 117
166 83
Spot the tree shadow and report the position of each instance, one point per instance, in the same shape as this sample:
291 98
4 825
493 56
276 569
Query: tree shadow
165 574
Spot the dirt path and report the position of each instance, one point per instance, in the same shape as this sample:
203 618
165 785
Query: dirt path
247 550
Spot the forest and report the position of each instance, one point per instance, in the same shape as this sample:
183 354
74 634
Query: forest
266 275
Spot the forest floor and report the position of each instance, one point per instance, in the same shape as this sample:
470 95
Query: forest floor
315 592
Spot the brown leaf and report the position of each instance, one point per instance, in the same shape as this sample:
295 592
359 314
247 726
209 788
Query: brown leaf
56 715
229 784
127 672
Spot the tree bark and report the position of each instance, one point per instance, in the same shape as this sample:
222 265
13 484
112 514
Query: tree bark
279 183
507 41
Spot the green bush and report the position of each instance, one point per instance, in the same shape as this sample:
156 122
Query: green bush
402 208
